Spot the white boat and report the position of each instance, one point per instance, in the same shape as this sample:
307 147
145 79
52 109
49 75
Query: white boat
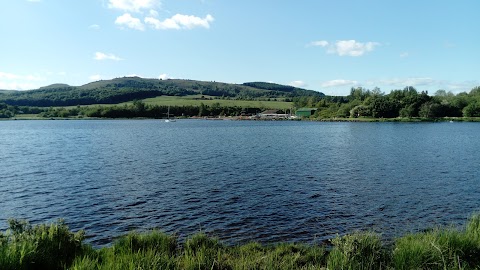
168 116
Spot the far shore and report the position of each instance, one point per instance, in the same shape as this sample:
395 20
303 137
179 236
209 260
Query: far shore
248 118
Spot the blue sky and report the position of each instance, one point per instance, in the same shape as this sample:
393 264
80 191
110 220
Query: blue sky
328 46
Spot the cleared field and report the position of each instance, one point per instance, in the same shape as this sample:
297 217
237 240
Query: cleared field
197 100
27 117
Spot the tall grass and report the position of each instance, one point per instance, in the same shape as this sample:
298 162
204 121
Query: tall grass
440 248
46 246
357 251
53 246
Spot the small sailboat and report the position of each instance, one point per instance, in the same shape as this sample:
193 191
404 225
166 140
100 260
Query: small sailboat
168 116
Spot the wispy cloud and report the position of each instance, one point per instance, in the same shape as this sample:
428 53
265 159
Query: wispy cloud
103 56
401 82
404 55
352 48
180 21
339 83
134 5
318 43
126 20
298 84
345 47
94 27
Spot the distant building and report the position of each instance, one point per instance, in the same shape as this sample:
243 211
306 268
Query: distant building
272 114
305 112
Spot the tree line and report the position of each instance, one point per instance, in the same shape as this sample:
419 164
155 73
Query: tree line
8 111
406 103
139 109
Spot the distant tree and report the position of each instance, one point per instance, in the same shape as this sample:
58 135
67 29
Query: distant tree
360 111
408 111
202 110
430 109
359 93
475 91
383 107
472 110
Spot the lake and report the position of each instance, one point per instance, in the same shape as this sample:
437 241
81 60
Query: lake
239 180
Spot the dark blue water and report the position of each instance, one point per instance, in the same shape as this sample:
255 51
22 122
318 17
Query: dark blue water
239 180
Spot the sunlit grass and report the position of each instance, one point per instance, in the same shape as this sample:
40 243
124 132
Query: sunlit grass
197 100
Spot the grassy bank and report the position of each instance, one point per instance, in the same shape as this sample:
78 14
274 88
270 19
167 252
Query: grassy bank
209 100
54 246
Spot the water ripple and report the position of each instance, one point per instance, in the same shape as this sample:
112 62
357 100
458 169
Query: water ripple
240 181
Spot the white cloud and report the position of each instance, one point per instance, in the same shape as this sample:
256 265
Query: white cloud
164 77
103 56
180 21
153 13
161 25
133 5
94 27
298 84
351 48
130 22
94 78
319 43
11 81
404 55
339 83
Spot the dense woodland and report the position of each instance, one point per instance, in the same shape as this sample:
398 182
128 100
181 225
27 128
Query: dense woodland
406 103
360 103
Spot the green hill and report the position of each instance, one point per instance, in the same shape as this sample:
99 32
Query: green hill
55 86
134 88
7 91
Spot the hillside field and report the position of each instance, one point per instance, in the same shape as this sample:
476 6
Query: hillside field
196 100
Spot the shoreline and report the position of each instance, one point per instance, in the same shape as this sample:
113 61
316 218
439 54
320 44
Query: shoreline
240 118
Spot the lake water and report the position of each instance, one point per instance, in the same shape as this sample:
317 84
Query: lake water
239 180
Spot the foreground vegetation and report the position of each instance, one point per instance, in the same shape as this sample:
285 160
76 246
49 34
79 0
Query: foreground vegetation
54 246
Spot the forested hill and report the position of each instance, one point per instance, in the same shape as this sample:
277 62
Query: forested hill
134 88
